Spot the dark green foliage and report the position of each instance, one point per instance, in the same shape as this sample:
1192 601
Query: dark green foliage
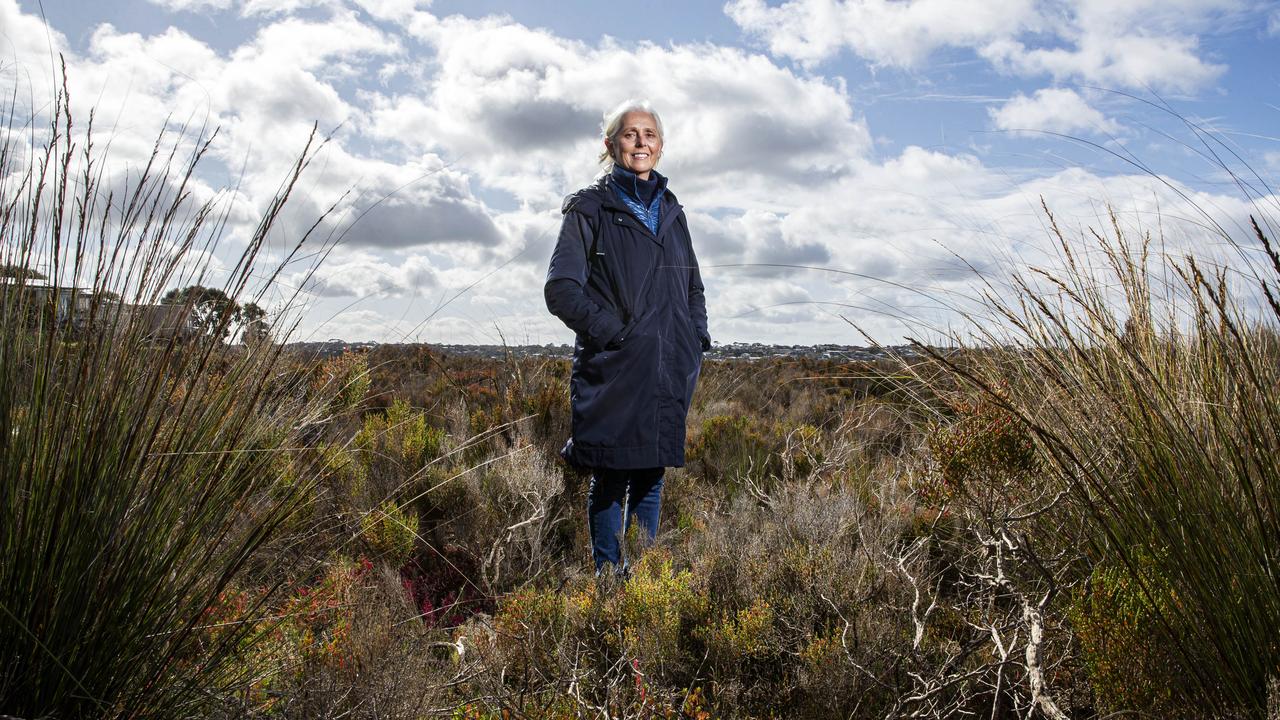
212 312
1130 651
215 314
253 320
20 273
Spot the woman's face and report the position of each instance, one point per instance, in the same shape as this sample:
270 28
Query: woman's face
638 145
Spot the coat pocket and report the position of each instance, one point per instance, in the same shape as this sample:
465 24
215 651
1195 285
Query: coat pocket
610 286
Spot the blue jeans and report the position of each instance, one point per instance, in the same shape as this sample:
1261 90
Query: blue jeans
640 490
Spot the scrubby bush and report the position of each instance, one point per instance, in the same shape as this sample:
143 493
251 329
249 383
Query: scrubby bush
345 379
390 532
1130 652
731 451
984 454
626 646
808 565
394 448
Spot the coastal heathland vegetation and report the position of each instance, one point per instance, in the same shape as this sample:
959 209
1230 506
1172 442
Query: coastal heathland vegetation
1072 511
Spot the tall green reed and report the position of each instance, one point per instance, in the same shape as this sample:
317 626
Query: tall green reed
138 462
1152 384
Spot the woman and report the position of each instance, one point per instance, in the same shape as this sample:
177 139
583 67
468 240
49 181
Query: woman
624 277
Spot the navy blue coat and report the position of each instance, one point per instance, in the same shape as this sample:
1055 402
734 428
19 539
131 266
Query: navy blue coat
635 300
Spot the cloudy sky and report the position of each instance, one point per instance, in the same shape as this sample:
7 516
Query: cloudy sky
865 161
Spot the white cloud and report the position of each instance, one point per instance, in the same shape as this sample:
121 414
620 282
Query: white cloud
344 323
33 48
252 8
249 8
901 34
1130 61
758 237
523 107
907 248
265 96
1057 110
361 275
317 45
192 5
1140 44
393 10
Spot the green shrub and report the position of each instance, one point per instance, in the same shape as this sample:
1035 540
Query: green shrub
401 434
729 450
391 532
341 465
393 449
1130 655
658 607
531 626
630 644
742 636
345 379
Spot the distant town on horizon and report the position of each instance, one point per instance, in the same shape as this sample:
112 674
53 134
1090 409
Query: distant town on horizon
731 351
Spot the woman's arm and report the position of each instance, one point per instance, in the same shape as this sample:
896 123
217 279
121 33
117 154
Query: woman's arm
565 291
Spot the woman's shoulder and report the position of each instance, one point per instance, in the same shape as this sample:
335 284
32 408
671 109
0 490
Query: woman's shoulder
587 200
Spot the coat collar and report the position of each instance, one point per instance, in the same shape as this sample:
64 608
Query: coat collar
630 183
671 207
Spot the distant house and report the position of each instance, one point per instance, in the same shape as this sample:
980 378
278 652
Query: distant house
73 306
62 305
165 321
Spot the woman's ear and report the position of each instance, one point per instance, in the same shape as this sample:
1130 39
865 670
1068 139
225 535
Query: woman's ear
608 147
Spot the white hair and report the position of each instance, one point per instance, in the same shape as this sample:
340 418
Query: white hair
612 125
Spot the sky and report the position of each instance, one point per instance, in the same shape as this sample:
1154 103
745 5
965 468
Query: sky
850 169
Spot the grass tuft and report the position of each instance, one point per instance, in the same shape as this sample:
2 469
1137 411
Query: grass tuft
139 462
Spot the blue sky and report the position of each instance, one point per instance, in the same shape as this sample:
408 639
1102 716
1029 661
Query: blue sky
907 142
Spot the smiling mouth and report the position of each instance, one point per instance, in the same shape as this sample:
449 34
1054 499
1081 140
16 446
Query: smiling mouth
640 156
